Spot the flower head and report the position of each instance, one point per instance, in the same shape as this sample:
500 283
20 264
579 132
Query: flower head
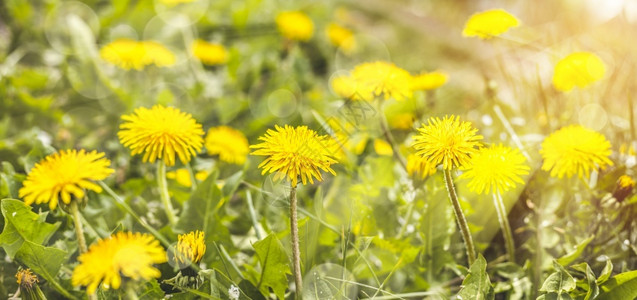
382 79
295 25
175 2
419 165
161 132
295 152
129 54
428 81
575 150
489 23
190 248
341 37
348 88
127 254
579 69
624 187
448 142
209 53
28 282
182 176
496 168
64 174
231 145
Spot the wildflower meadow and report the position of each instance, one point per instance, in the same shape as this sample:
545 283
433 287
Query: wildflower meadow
263 149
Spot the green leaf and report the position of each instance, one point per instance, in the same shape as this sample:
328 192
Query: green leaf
477 284
45 261
606 272
621 286
575 254
21 224
558 282
152 290
591 283
231 184
274 266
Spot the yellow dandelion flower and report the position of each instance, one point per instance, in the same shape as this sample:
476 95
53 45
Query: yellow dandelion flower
448 142
209 53
129 54
579 69
175 2
490 23
122 254
64 174
231 145
190 248
348 88
428 81
341 37
381 147
497 168
403 121
182 176
383 79
161 132
624 187
419 165
295 152
575 150
295 25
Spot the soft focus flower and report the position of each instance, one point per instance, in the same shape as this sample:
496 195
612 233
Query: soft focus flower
175 2
624 187
489 23
190 248
579 69
381 147
209 53
428 81
231 145
575 150
419 165
295 152
127 254
382 79
295 25
348 88
496 168
161 132
65 173
403 121
182 176
341 37
448 142
129 54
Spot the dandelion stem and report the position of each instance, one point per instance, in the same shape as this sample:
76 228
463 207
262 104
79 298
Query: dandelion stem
163 192
462 222
75 213
390 138
296 253
504 225
131 294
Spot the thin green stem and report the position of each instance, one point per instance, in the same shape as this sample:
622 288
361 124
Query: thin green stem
296 253
462 221
390 138
504 225
131 294
253 216
163 192
75 213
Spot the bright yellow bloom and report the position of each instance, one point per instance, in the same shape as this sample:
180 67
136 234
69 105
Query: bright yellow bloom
575 150
496 168
381 147
579 69
295 25
382 79
182 176
160 132
448 142
175 2
428 81
489 23
341 37
403 121
209 53
295 152
124 253
190 248
348 88
129 54
419 165
66 173
231 145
